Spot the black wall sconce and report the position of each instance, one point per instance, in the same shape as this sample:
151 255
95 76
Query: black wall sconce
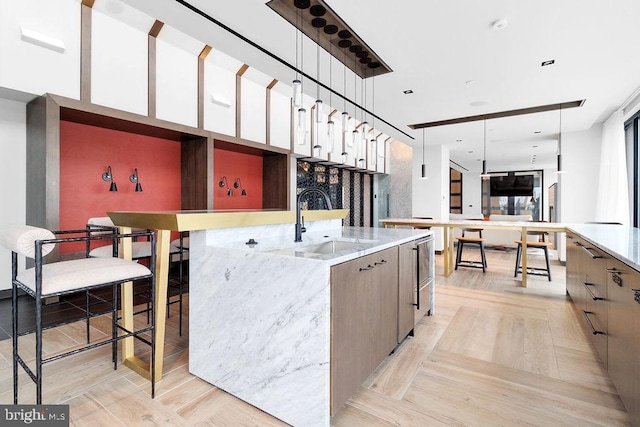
237 184
223 182
134 178
108 176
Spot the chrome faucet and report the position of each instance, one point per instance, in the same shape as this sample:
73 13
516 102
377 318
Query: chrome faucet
299 199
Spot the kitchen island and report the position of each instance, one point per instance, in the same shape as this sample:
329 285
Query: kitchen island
262 315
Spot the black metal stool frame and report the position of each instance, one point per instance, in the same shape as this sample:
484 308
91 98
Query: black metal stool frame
36 376
474 264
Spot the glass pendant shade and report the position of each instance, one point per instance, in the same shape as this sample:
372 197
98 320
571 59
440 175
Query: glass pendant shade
365 130
345 121
318 111
330 136
355 138
302 125
345 156
297 93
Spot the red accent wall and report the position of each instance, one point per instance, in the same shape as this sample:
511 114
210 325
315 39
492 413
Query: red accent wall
237 165
85 153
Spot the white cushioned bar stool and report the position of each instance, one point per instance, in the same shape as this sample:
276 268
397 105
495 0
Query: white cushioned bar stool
140 250
67 277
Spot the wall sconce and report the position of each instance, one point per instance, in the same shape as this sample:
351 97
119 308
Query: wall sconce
108 176
223 183
134 178
237 184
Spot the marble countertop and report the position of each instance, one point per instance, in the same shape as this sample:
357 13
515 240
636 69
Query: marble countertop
622 242
351 243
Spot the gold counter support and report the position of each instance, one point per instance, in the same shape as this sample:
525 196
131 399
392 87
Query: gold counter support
162 277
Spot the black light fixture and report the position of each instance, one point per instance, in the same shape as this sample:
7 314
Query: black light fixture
108 176
484 175
559 156
318 22
298 87
134 178
223 183
237 184
424 164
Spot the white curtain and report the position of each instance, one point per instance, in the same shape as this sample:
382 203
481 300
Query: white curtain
612 202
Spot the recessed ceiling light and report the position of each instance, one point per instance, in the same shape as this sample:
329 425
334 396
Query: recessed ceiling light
534 146
458 140
548 62
470 152
407 92
538 131
500 24
469 82
478 103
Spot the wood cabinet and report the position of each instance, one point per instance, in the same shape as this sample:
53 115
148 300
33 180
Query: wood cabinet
587 286
624 334
606 294
407 279
364 313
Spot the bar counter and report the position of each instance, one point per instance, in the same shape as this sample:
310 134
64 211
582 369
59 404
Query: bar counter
192 220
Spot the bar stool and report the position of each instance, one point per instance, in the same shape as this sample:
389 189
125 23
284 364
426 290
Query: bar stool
181 245
141 250
471 240
66 277
540 244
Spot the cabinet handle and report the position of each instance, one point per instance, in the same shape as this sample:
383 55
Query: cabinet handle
380 263
591 254
594 331
636 295
593 296
578 244
368 267
614 270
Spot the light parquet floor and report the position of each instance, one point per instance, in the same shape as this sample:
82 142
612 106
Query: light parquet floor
493 354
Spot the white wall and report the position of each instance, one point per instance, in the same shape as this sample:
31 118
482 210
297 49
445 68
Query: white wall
13 165
430 197
31 68
471 193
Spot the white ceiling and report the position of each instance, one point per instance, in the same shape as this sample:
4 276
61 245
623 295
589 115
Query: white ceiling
450 56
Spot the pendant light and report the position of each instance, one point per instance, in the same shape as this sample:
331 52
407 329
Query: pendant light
559 154
424 163
345 117
355 134
484 175
317 147
373 146
297 84
330 123
302 112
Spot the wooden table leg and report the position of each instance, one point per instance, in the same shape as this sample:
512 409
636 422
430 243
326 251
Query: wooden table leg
448 251
162 278
524 257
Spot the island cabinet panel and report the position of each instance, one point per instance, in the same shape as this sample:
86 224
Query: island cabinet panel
407 278
587 286
364 310
624 334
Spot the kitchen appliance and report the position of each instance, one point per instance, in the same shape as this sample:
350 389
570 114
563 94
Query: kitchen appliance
424 291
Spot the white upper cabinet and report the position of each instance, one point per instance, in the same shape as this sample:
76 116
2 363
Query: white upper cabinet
119 52
40 46
280 116
253 105
220 92
177 76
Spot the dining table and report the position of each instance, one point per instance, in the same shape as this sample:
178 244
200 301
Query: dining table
449 225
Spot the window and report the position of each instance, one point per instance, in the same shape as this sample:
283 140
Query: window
632 132
513 193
